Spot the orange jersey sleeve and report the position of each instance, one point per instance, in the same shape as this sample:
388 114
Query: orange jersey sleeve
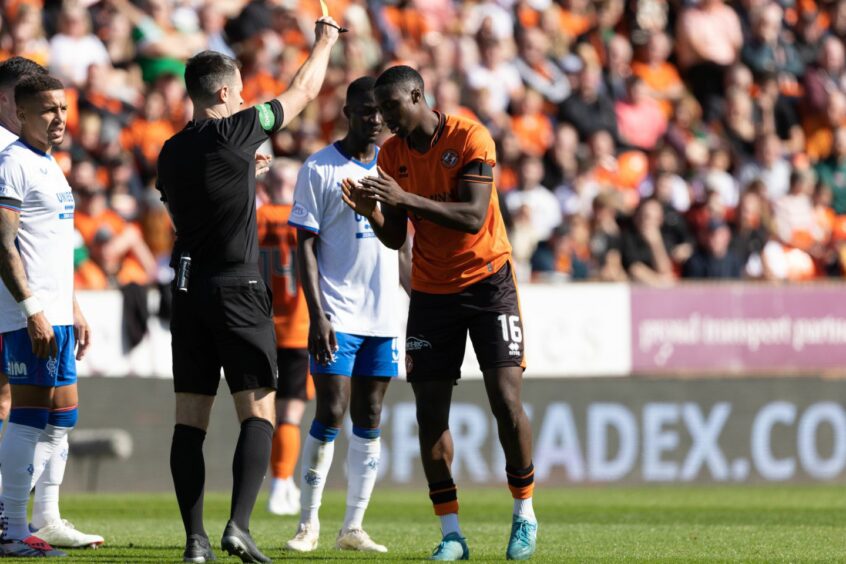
444 261
278 264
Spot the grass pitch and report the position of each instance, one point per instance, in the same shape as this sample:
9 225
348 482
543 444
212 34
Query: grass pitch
651 524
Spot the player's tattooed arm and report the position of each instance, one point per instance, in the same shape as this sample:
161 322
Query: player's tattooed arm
11 266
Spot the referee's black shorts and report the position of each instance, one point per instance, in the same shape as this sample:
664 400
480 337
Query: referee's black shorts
223 321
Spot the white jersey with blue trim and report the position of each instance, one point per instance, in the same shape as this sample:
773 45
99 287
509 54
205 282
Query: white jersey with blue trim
32 184
358 275
6 137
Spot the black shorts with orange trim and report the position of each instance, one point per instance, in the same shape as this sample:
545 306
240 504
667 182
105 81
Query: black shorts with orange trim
438 325
223 321
293 374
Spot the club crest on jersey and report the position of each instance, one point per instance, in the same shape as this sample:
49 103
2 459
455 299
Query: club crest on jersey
449 159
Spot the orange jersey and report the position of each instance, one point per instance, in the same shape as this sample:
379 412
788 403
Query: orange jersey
278 263
444 260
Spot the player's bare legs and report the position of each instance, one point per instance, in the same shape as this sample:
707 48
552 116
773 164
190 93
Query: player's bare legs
433 400
503 386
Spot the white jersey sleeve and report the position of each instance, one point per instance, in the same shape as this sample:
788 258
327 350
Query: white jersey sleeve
12 184
307 212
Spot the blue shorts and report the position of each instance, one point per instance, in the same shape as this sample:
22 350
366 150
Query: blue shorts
22 367
361 356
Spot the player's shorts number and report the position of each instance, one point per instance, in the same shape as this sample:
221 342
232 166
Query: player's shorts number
511 331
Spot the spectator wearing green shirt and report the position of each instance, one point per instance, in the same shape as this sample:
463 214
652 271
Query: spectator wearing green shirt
832 171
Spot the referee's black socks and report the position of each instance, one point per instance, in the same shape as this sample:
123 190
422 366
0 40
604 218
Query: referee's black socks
252 458
189 476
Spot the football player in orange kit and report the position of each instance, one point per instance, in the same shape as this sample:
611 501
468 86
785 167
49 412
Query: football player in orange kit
278 263
437 170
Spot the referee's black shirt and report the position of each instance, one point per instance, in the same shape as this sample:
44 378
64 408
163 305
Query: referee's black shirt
207 177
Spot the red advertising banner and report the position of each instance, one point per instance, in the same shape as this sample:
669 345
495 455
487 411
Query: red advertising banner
739 329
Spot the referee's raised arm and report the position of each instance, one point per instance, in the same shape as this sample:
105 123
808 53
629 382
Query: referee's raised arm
306 84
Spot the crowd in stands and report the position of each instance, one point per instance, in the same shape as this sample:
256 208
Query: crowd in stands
643 140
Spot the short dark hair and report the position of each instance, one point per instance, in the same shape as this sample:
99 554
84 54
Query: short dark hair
35 84
400 75
360 87
206 73
14 69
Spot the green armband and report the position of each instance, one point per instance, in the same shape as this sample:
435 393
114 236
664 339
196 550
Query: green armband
266 117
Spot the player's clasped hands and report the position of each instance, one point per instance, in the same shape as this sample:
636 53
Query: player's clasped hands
356 198
383 189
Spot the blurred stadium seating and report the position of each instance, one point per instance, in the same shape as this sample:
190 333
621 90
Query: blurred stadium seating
730 116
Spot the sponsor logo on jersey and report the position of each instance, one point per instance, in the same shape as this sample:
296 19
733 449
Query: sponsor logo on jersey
415 344
514 349
299 210
16 369
449 159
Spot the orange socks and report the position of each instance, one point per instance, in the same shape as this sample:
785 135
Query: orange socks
286 450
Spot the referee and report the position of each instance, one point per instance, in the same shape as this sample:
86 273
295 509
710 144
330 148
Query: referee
222 308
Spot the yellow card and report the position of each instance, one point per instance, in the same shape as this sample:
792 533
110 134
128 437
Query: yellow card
324 8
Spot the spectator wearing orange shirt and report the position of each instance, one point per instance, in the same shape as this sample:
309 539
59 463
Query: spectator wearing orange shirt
448 100
532 126
661 78
27 35
146 134
576 17
819 129
116 246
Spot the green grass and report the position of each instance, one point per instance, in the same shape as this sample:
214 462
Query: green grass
653 524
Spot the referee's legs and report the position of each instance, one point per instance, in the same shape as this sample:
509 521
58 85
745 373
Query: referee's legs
187 464
256 411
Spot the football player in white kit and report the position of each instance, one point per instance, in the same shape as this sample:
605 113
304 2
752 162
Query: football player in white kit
43 330
351 285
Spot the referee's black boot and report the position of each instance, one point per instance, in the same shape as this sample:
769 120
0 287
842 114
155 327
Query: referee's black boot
198 549
236 542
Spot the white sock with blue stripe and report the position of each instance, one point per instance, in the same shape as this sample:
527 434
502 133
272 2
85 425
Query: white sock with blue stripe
362 468
51 455
17 453
318 452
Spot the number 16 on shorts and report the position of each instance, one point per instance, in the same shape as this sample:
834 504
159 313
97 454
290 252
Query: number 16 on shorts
512 334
